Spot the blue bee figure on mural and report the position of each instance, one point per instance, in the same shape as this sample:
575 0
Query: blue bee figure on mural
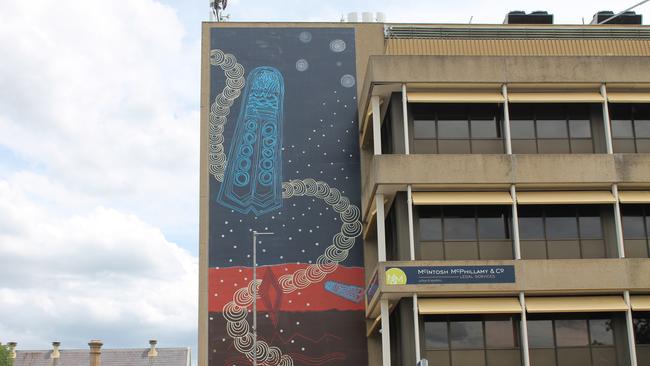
253 178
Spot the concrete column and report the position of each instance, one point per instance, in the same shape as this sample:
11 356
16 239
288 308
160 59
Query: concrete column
630 329
95 352
385 332
381 228
525 354
606 121
376 123
416 327
618 222
515 223
409 199
405 118
506 120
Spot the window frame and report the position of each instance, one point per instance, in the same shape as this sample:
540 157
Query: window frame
629 109
645 221
535 115
514 319
579 232
471 112
505 210
587 317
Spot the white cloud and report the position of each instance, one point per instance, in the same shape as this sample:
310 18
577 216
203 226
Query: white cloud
102 96
102 274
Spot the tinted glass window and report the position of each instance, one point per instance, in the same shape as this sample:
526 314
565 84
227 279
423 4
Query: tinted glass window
459 223
571 332
622 128
551 129
601 332
492 223
500 334
642 128
430 229
436 335
467 334
540 333
522 129
580 129
561 223
531 224
424 129
453 129
642 328
633 223
590 223
590 228
484 129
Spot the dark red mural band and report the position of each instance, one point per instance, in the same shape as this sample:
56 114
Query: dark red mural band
225 281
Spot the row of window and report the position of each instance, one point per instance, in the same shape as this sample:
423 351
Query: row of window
553 339
545 232
534 128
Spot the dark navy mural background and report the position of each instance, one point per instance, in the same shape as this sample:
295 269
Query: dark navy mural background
324 323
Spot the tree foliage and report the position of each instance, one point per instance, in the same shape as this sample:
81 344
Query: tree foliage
5 358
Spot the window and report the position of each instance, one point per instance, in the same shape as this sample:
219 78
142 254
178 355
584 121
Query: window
641 321
551 129
464 232
636 221
630 127
561 231
580 339
460 340
457 129
387 146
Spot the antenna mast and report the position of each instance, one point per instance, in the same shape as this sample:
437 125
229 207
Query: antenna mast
216 10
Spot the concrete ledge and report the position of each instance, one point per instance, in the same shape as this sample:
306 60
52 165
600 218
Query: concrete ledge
489 171
533 277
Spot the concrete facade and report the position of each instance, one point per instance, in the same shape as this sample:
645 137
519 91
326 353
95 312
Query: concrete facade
391 177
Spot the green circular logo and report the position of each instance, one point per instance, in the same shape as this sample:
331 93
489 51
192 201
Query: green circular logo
395 276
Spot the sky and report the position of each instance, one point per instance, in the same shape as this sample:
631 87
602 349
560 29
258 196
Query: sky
99 156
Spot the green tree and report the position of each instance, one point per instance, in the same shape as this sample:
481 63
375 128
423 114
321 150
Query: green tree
5 359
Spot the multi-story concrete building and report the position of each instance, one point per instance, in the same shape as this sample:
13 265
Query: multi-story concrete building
505 191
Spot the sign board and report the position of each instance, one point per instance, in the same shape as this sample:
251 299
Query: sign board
427 275
373 286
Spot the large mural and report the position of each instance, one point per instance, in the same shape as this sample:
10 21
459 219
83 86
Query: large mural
283 158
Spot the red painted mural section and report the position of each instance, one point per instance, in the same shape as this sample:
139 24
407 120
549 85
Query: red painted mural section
225 281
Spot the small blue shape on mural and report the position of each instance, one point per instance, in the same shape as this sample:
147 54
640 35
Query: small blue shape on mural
348 292
253 178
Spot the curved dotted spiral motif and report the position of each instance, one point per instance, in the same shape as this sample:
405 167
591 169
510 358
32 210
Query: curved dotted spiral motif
220 109
236 310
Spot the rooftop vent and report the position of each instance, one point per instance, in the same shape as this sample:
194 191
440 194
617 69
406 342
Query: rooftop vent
628 17
535 17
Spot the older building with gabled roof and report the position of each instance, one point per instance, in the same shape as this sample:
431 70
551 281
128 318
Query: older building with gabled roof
152 356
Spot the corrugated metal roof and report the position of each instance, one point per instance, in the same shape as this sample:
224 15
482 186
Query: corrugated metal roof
518 47
517 32
109 357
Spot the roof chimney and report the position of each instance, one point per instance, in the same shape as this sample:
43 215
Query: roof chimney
12 349
152 349
55 350
95 352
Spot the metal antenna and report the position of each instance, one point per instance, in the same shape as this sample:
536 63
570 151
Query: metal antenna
255 234
216 10
628 9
